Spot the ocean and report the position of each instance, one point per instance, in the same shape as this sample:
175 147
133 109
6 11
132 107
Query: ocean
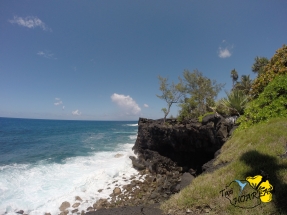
46 162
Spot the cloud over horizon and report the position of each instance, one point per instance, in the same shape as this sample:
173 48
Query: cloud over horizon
146 106
76 113
58 102
126 103
30 22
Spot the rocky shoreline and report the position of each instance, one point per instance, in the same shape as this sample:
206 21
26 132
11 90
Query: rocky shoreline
169 157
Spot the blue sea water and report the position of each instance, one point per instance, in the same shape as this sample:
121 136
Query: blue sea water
46 162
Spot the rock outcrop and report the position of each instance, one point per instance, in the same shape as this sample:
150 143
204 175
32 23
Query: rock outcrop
180 146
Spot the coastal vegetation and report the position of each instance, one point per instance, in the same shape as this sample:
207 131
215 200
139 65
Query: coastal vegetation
254 101
195 93
246 153
259 143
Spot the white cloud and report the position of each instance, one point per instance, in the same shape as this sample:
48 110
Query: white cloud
63 107
30 22
76 113
126 103
58 102
146 106
46 54
225 51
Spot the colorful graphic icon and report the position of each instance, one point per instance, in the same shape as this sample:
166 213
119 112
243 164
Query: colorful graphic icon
263 186
249 193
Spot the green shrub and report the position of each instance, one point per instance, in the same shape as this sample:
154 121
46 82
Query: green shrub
276 66
235 102
271 103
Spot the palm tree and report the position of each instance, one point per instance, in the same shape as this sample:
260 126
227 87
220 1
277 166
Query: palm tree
259 64
234 76
235 102
245 84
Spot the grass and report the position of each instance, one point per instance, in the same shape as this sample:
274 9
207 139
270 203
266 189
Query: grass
248 152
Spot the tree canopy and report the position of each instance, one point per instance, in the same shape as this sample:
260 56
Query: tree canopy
170 93
276 66
200 92
234 76
259 65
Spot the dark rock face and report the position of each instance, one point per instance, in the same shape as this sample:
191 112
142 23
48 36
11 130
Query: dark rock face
190 144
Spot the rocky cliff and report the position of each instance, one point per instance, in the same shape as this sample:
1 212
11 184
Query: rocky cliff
184 146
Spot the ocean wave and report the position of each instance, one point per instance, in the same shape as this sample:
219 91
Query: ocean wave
132 124
133 137
41 188
125 132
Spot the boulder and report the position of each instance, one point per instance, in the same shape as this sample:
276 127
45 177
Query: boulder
186 179
136 164
75 205
64 212
64 206
208 118
117 191
118 155
78 198
99 204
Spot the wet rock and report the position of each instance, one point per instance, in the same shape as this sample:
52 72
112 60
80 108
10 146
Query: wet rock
78 198
75 211
90 209
20 212
64 212
136 164
118 155
47 213
75 205
117 191
100 190
64 206
99 204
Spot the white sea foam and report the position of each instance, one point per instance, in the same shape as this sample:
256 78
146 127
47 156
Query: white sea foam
132 124
133 137
42 188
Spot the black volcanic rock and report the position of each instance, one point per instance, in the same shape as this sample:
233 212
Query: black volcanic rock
189 144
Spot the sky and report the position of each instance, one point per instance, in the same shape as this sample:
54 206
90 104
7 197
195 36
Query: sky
100 59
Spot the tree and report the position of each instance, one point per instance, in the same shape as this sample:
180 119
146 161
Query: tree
202 92
170 93
259 65
276 66
235 102
271 103
234 76
244 85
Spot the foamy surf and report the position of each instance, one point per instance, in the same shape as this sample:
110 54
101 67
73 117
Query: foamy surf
42 187
132 124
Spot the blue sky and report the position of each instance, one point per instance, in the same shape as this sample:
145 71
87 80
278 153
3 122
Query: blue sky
99 60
